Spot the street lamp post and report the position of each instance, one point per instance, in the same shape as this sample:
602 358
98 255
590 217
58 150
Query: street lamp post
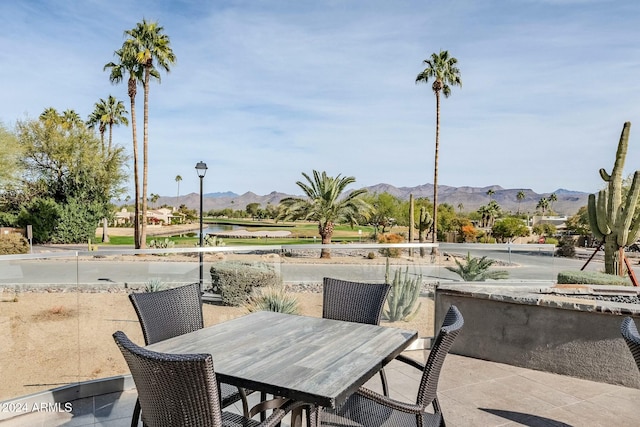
201 169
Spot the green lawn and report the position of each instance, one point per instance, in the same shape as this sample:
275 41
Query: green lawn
302 233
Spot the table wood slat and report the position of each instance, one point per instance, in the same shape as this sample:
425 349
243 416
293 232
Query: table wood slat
319 361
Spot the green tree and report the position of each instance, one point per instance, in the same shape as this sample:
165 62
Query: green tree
443 70
545 229
252 209
506 229
490 193
579 223
385 211
129 67
67 171
152 49
326 203
10 154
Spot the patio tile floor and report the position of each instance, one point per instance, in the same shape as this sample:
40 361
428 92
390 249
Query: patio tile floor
472 392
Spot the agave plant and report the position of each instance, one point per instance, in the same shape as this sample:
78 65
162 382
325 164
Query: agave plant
272 299
154 285
477 269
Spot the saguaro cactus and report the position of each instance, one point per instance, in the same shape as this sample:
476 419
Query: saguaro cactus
611 218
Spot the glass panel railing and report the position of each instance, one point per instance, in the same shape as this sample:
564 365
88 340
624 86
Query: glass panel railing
60 309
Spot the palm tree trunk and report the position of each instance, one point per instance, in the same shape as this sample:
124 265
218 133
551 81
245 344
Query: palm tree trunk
136 178
145 160
325 232
434 237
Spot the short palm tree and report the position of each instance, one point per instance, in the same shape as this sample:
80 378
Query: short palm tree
443 70
95 119
327 204
477 269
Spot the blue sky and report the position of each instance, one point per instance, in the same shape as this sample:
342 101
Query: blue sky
265 90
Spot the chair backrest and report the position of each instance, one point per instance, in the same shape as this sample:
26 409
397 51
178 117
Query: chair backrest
449 330
353 301
169 313
631 337
173 389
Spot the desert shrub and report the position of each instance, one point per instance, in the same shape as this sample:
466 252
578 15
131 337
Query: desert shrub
391 238
272 299
43 215
371 255
551 241
403 295
566 247
591 278
235 280
13 243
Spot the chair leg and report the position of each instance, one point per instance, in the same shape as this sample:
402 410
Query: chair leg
245 403
136 414
385 387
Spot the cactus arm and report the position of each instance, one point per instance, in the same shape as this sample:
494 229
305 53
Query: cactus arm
593 217
604 219
604 175
627 232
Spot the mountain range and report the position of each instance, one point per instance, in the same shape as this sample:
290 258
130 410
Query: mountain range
471 198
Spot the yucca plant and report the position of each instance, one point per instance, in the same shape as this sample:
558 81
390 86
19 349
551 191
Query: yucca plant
272 299
154 285
477 269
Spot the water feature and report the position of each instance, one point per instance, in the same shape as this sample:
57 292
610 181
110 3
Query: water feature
213 228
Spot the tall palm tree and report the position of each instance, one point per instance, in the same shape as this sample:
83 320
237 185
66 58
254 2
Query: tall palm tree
178 179
326 204
520 197
129 67
443 70
150 48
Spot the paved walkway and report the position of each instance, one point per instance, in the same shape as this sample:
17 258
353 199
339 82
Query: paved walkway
472 392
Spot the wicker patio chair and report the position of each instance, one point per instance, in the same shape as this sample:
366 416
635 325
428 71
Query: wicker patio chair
631 337
170 313
181 389
355 302
367 408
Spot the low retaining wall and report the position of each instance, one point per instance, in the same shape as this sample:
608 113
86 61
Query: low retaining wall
544 329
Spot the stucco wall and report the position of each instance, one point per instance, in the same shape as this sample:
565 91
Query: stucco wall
583 344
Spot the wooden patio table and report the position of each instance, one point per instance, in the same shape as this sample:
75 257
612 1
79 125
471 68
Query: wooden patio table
309 359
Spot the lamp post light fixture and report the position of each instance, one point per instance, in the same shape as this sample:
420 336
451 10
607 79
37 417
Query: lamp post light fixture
201 169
